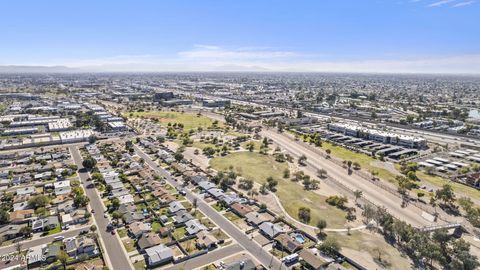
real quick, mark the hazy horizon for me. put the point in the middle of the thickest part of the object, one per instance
(406, 36)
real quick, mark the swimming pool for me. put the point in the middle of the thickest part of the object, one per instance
(299, 238)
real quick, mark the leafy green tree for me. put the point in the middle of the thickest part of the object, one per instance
(304, 214)
(63, 258)
(4, 217)
(89, 163)
(445, 194)
(39, 201)
(330, 246)
(321, 224)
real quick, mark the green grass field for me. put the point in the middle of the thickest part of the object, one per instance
(256, 144)
(259, 167)
(364, 160)
(203, 145)
(189, 120)
(457, 187)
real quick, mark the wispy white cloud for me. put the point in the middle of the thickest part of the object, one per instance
(463, 4)
(440, 3)
(207, 47)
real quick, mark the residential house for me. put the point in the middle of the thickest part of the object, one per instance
(75, 217)
(147, 240)
(197, 179)
(119, 192)
(126, 199)
(136, 229)
(21, 216)
(270, 230)
(130, 217)
(158, 255)
(231, 198)
(175, 206)
(51, 252)
(194, 226)
(240, 209)
(312, 261)
(77, 246)
(256, 219)
(66, 207)
(286, 242)
(10, 231)
(62, 187)
(26, 190)
(20, 206)
(166, 198)
(205, 185)
(205, 240)
(216, 193)
(181, 217)
(241, 265)
(35, 255)
(47, 223)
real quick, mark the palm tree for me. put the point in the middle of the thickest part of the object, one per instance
(358, 194)
(18, 248)
(63, 258)
(195, 204)
(433, 203)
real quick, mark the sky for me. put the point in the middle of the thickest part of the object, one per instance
(386, 36)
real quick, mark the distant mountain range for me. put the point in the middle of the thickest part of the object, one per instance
(37, 69)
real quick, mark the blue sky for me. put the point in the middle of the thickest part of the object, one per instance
(323, 35)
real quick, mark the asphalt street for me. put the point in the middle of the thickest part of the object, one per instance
(113, 246)
(42, 240)
(208, 258)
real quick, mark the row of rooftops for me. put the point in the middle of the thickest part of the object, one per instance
(357, 128)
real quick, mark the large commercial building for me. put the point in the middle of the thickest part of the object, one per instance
(216, 103)
(378, 135)
(60, 125)
(35, 121)
(163, 95)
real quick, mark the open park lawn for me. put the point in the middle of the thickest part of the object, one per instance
(189, 120)
(258, 167)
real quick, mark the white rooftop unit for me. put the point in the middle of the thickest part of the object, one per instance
(434, 162)
(473, 158)
(456, 154)
(451, 166)
(441, 169)
(460, 164)
(441, 159)
(425, 164)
